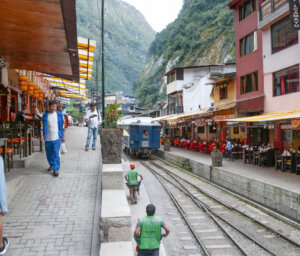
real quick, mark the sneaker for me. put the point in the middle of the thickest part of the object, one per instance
(94, 148)
(55, 173)
(3, 250)
(86, 149)
(50, 169)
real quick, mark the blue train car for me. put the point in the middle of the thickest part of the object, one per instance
(142, 135)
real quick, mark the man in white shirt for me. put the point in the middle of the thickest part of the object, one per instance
(93, 120)
(53, 133)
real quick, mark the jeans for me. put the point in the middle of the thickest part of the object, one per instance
(154, 252)
(91, 132)
(52, 153)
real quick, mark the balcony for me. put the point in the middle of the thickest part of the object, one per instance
(270, 10)
(174, 86)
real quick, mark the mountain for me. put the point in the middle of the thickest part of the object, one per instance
(127, 40)
(202, 34)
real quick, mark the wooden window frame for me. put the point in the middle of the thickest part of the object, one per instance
(242, 9)
(243, 85)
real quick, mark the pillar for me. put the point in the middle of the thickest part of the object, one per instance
(277, 136)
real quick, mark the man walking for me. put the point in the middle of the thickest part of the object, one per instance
(93, 120)
(148, 233)
(229, 149)
(3, 208)
(132, 179)
(53, 133)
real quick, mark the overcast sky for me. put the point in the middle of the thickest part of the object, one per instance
(158, 13)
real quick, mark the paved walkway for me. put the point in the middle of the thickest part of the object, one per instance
(54, 216)
(289, 181)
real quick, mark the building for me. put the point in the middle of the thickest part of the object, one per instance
(281, 59)
(249, 58)
(189, 88)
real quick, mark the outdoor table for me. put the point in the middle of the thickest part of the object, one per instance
(3, 146)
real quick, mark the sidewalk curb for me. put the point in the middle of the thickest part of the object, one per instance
(95, 248)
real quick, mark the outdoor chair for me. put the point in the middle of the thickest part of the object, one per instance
(6, 133)
(287, 163)
(256, 158)
(297, 159)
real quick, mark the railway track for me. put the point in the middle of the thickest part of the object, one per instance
(235, 232)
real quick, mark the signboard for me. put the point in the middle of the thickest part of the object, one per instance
(286, 127)
(224, 117)
(294, 13)
(296, 123)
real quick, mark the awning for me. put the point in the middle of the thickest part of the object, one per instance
(273, 116)
(179, 116)
(225, 106)
(40, 36)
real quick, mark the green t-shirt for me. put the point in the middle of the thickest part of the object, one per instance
(132, 177)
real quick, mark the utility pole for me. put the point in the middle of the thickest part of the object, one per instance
(97, 85)
(102, 54)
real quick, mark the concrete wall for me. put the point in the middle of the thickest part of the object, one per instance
(278, 199)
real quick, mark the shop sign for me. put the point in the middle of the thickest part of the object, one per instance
(295, 13)
(224, 117)
(286, 127)
(200, 122)
(296, 123)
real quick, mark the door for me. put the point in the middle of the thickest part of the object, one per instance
(145, 136)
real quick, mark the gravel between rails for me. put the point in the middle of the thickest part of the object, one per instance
(273, 242)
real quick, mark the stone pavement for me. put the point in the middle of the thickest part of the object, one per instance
(286, 180)
(139, 210)
(55, 216)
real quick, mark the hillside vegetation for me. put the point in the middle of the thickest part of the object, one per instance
(202, 34)
(127, 40)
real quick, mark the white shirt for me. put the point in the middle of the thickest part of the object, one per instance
(52, 127)
(94, 121)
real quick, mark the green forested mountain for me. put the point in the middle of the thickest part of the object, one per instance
(127, 40)
(202, 34)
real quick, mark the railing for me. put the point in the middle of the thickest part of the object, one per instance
(270, 6)
(175, 110)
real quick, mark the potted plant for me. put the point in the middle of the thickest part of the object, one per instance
(216, 157)
(167, 144)
(111, 136)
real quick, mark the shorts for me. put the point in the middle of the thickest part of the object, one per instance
(148, 252)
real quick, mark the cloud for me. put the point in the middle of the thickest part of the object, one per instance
(158, 13)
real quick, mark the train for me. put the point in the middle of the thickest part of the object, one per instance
(141, 135)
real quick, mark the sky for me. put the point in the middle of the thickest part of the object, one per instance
(158, 13)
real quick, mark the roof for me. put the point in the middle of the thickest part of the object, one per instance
(40, 36)
(232, 4)
(203, 66)
(272, 116)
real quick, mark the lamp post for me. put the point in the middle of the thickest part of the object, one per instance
(102, 54)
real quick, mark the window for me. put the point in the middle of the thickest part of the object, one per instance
(179, 74)
(249, 83)
(145, 133)
(201, 129)
(248, 44)
(223, 91)
(247, 8)
(283, 35)
(286, 81)
(212, 129)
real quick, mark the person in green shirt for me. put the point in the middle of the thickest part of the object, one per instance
(148, 233)
(132, 179)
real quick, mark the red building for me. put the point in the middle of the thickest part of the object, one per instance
(249, 58)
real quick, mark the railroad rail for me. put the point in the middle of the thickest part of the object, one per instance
(223, 224)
